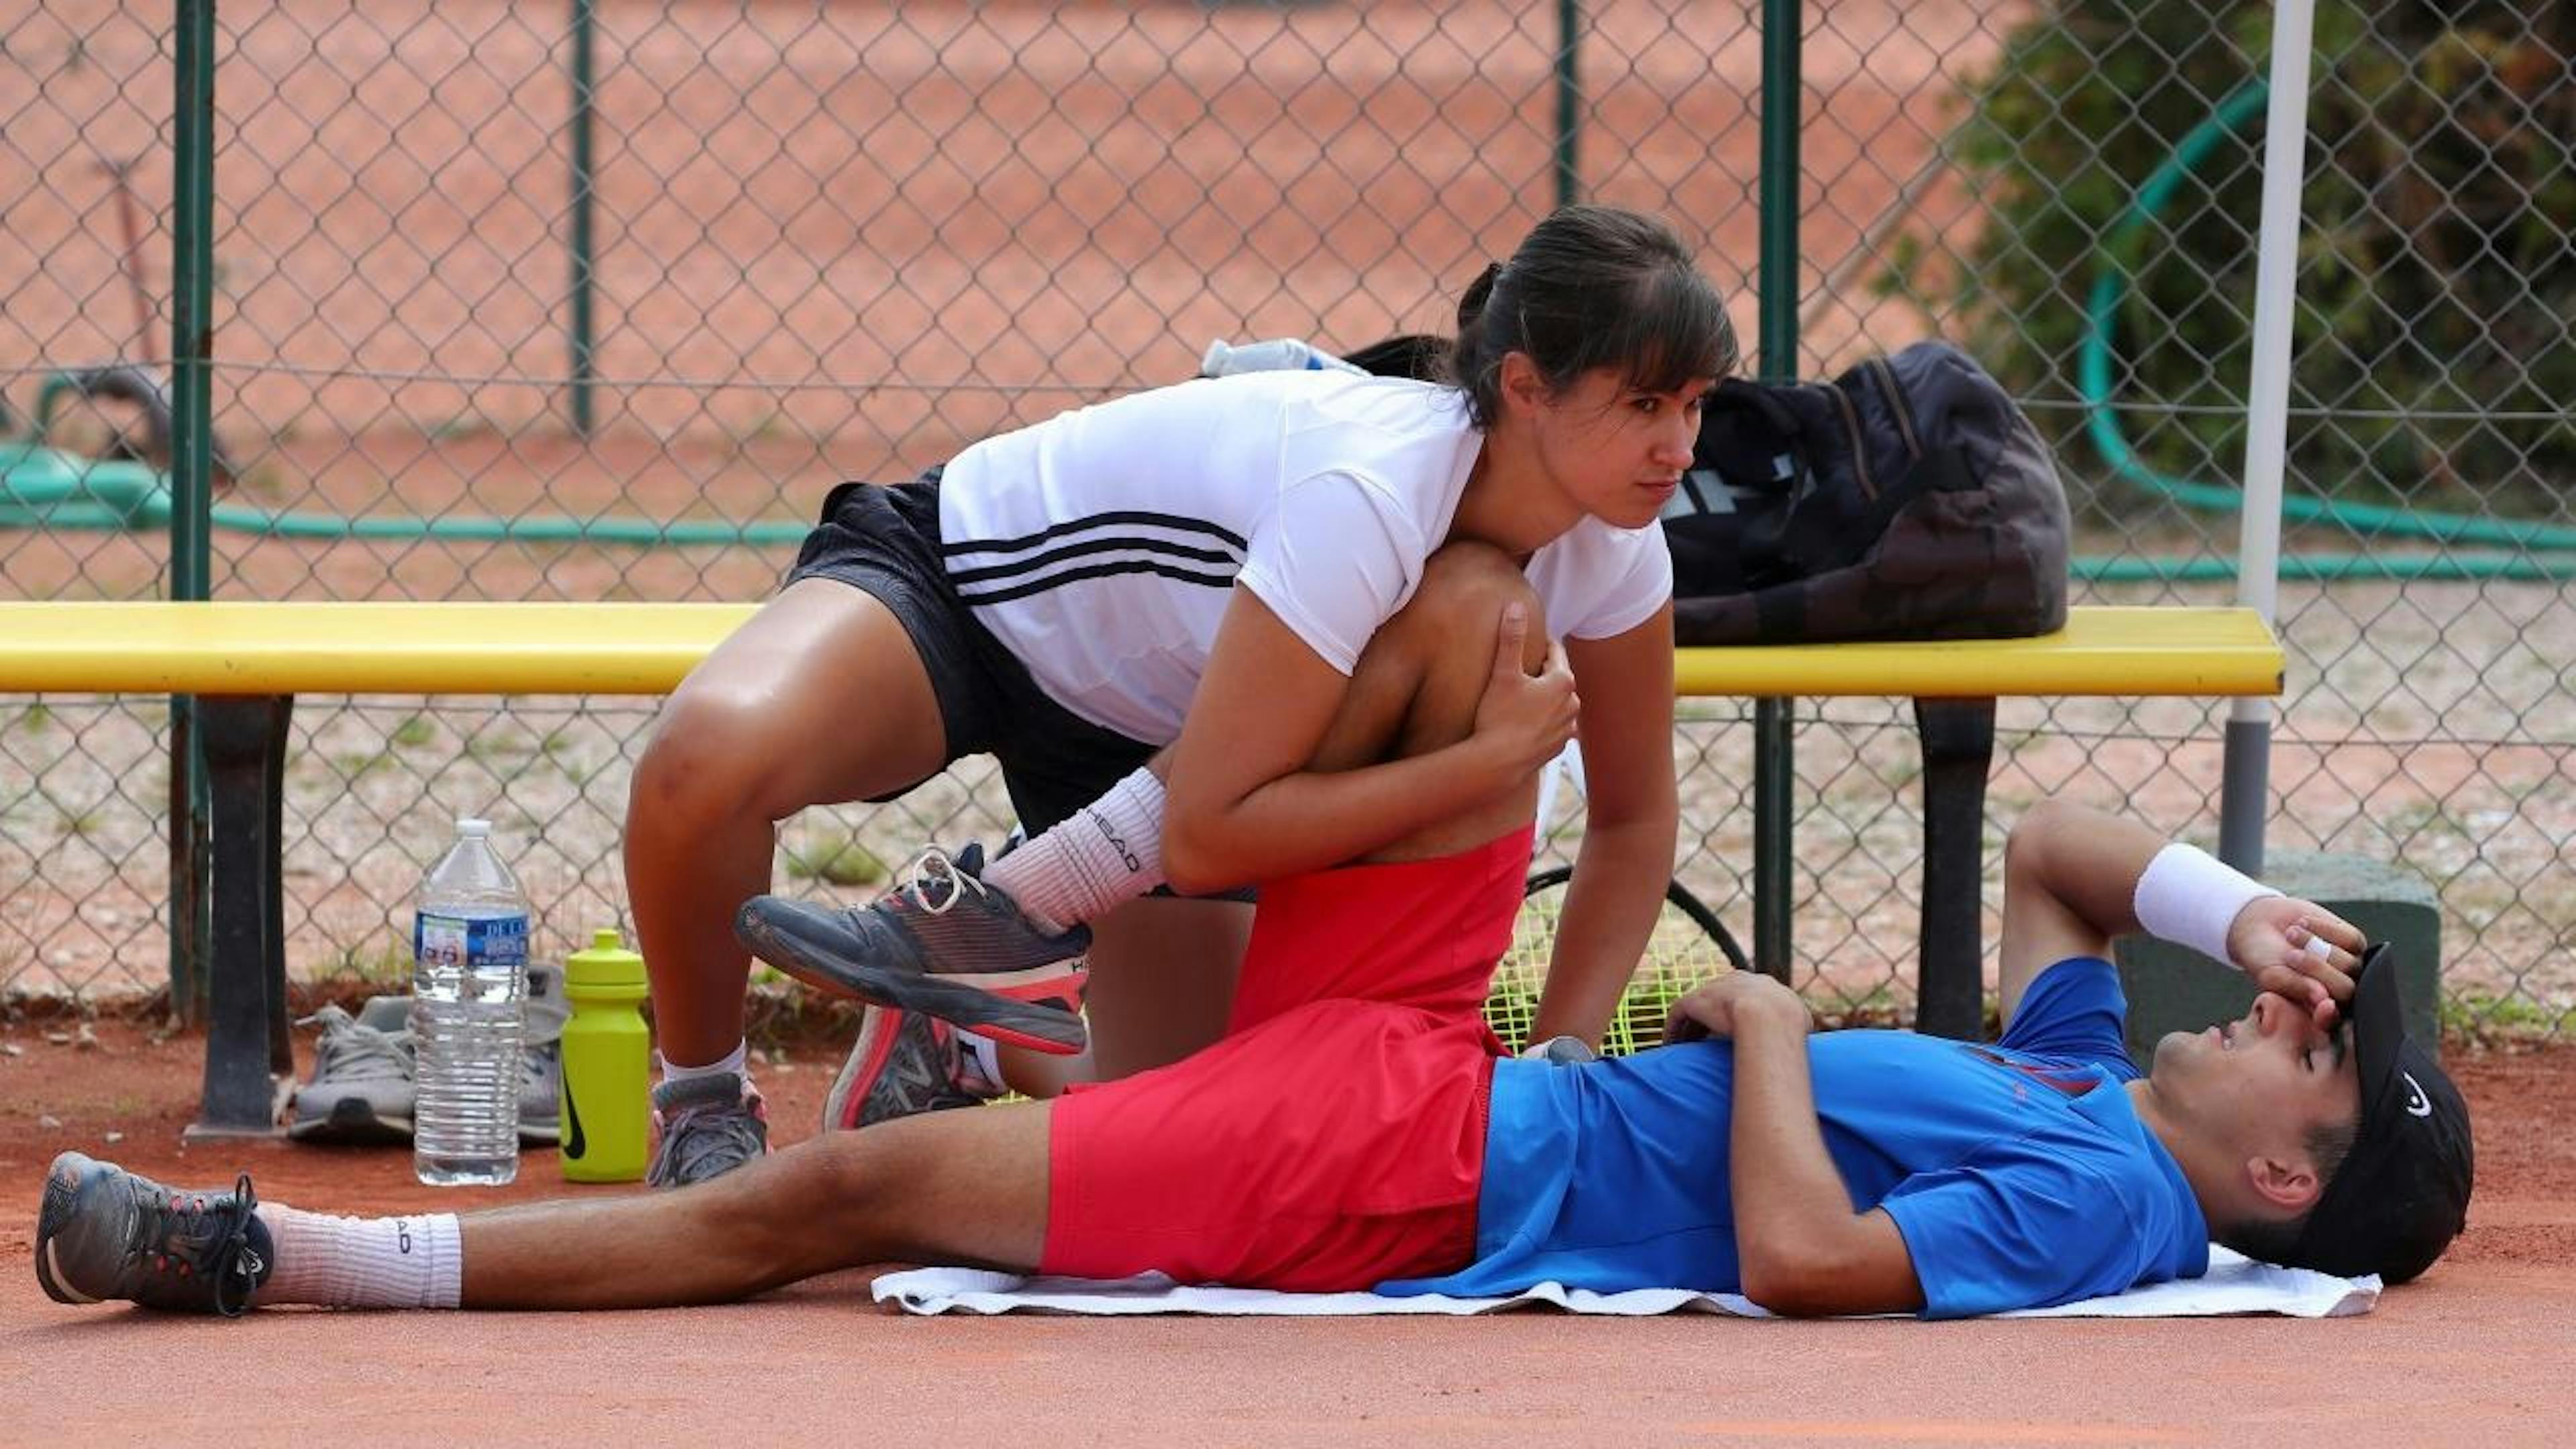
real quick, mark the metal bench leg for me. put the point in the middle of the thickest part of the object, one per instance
(1775, 772)
(248, 1048)
(1958, 738)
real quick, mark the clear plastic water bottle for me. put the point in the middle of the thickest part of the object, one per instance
(469, 979)
(1279, 354)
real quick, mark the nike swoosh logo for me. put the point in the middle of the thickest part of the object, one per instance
(2417, 1104)
(574, 1142)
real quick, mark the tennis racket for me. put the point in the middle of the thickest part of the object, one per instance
(1688, 945)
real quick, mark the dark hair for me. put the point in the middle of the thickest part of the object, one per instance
(2274, 1240)
(1417, 355)
(1592, 286)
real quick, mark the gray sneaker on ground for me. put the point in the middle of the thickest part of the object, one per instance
(541, 1057)
(361, 1090)
(388, 1013)
(705, 1127)
(355, 1059)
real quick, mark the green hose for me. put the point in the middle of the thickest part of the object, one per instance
(43, 488)
(2093, 382)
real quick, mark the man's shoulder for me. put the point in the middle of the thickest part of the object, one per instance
(2074, 1007)
(2074, 1013)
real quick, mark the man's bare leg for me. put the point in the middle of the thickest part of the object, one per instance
(1160, 987)
(944, 1187)
(951, 1187)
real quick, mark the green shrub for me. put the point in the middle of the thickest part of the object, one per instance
(2435, 272)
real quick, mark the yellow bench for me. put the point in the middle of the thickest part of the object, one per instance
(247, 661)
(545, 648)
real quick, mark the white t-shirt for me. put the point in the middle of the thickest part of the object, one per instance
(1099, 545)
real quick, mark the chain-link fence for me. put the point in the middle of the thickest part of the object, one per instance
(478, 268)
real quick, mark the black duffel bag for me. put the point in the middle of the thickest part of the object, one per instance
(1906, 499)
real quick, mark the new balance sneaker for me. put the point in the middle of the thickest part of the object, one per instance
(541, 1093)
(388, 1014)
(943, 944)
(105, 1233)
(361, 1090)
(541, 1056)
(705, 1127)
(363, 1087)
(904, 1063)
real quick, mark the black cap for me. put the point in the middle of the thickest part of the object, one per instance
(2402, 1192)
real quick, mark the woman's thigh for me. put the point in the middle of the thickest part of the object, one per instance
(822, 696)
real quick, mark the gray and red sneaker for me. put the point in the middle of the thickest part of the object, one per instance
(106, 1233)
(942, 944)
(904, 1063)
(705, 1127)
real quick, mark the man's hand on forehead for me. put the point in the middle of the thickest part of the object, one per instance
(2298, 950)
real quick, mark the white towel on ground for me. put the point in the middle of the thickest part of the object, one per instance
(2234, 1284)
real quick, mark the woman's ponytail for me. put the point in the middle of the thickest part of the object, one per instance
(1471, 306)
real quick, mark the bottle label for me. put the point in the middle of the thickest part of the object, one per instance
(470, 940)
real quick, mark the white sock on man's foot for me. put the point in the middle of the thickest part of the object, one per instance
(734, 1062)
(983, 1058)
(413, 1262)
(1108, 852)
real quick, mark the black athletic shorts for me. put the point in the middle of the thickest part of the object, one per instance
(885, 540)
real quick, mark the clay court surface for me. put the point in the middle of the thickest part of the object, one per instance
(2476, 1353)
(975, 278)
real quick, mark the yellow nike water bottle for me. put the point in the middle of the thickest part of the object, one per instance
(607, 1063)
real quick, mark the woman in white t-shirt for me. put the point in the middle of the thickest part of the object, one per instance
(1177, 619)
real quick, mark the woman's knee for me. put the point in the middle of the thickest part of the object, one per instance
(1465, 588)
(710, 754)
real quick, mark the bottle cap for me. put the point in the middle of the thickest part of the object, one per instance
(468, 825)
(606, 964)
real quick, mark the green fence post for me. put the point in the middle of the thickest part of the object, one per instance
(585, 34)
(1569, 104)
(1774, 766)
(192, 334)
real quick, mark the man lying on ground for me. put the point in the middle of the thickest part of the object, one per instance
(1340, 1143)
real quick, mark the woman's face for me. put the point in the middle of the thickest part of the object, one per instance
(1618, 450)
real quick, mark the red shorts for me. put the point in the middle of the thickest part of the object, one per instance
(1331, 1140)
(1424, 933)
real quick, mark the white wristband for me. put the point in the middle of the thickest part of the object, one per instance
(2191, 898)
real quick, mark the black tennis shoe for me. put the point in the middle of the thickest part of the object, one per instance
(107, 1233)
(943, 944)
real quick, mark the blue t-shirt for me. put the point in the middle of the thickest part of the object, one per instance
(2018, 1173)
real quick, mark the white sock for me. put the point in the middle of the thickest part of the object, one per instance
(413, 1262)
(1109, 851)
(733, 1062)
(982, 1056)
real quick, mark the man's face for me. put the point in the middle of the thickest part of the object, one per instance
(2262, 1083)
